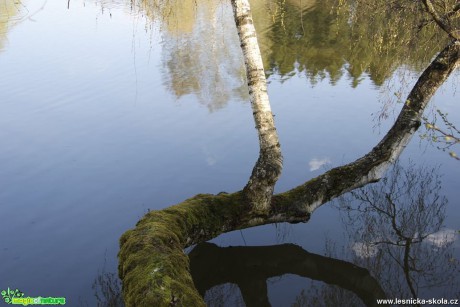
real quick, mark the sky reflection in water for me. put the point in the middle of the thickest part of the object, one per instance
(104, 117)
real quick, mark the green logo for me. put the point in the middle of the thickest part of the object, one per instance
(16, 297)
(9, 294)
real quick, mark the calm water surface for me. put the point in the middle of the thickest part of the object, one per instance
(108, 110)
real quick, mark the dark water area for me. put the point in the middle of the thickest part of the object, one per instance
(110, 109)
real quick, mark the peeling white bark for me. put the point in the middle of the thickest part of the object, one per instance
(252, 57)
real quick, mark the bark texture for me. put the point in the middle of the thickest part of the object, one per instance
(267, 170)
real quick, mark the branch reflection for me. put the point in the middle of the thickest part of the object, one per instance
(250, 267)
(397, 227)
(399, 248)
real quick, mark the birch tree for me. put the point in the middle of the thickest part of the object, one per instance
(152, 265)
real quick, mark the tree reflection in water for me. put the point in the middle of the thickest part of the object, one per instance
(107, 290)
(399, 249)
(397, 227)
(318, 39)
(250, 267)
(10, 14)
(200, 55)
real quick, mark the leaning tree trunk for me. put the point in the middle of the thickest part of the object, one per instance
(152, 264)
(267, 170)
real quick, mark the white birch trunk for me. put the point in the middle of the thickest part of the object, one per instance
(267, 170)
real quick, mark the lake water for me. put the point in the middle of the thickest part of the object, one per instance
(109, 109)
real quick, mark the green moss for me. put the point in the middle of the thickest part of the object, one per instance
(152, 264)
(154, 269)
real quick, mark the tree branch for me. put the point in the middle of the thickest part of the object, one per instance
(152, 264)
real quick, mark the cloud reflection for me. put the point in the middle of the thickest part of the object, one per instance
(442, 238)
(315, 163)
